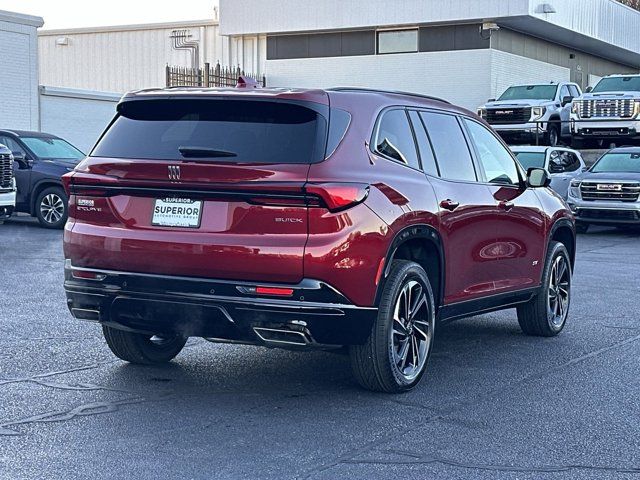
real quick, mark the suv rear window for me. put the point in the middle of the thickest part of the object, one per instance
(234, 131)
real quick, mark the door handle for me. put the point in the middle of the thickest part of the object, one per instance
(506, 205)
(449, 204)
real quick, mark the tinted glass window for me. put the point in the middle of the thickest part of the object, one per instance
(52, 148)
(618, 84)
(561, 161)
(531, 159)
(395, 139)
(398, 41)
(564, 92)
(424, 145)
(236, 131)
(12, 145)
(450, 146)
(495, 159)
(530, 92)
(573, 90)
(618, 162)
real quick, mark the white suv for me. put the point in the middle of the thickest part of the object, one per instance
(7, 184)
(537, 113)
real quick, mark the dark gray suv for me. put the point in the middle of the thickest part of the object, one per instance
(609, 192)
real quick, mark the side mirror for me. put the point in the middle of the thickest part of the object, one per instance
(567, 100)
(21, 159)
(538, 178)
(589, 90)
(491, 100)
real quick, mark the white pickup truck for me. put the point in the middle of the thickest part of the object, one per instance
(609, 113)
(536, 113)
(7, 184)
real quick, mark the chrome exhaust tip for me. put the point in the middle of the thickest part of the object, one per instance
(86, 314)
(282, 336)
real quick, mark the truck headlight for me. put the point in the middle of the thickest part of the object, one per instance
(574, 189)
(482, 112)
(636, 108)
(575, 107)
(538, 112)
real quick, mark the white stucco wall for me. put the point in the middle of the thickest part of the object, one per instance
(508, 69)
(79, 117)
(19, 78)
(432, 73)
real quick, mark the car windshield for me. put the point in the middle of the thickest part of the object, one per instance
(233, 131)
(618, 163)
(618, 84)
(531, 159)
(530, 92)
(52, 148)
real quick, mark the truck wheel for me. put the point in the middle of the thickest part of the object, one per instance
(552, 137)
(546, 314)
(52, 207)
(395, 356)
(143, 349)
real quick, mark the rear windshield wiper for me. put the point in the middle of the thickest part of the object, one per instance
(204, 152)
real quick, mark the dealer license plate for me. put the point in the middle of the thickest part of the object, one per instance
(177, 212)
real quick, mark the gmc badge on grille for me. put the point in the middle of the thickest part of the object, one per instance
(609, 187)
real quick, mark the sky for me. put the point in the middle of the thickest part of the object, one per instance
(91, 13)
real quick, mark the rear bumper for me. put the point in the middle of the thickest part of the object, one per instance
(316, 314)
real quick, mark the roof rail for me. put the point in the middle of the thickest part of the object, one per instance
(394, 92)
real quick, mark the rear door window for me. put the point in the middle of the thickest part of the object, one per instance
(394, 138)
(450, 146)
(235, 131)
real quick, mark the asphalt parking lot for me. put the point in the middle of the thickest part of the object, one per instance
(494, 403)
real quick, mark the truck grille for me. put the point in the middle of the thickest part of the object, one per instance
(6, 170)
(628, 215)
(505, 116)
(609, 108)
(622, 192)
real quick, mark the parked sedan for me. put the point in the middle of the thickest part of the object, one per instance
(40, 159)
(562, 164)
(609, 192)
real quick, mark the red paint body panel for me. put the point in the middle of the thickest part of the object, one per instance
(486, 250)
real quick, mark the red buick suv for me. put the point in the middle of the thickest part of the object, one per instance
(309, 219)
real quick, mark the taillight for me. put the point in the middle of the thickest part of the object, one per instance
(339, 196)
(66, 183)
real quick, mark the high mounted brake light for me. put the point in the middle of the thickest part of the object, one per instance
(339, 196)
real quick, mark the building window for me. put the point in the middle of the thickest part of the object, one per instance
(397, 41)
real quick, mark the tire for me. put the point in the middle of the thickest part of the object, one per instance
(582, 227)
(142, 349)
(542, 316)
(552, 137)
(52, 208)
(396, 355)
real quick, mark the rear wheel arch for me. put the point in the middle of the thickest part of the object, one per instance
(421, 244)
(563, 231)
